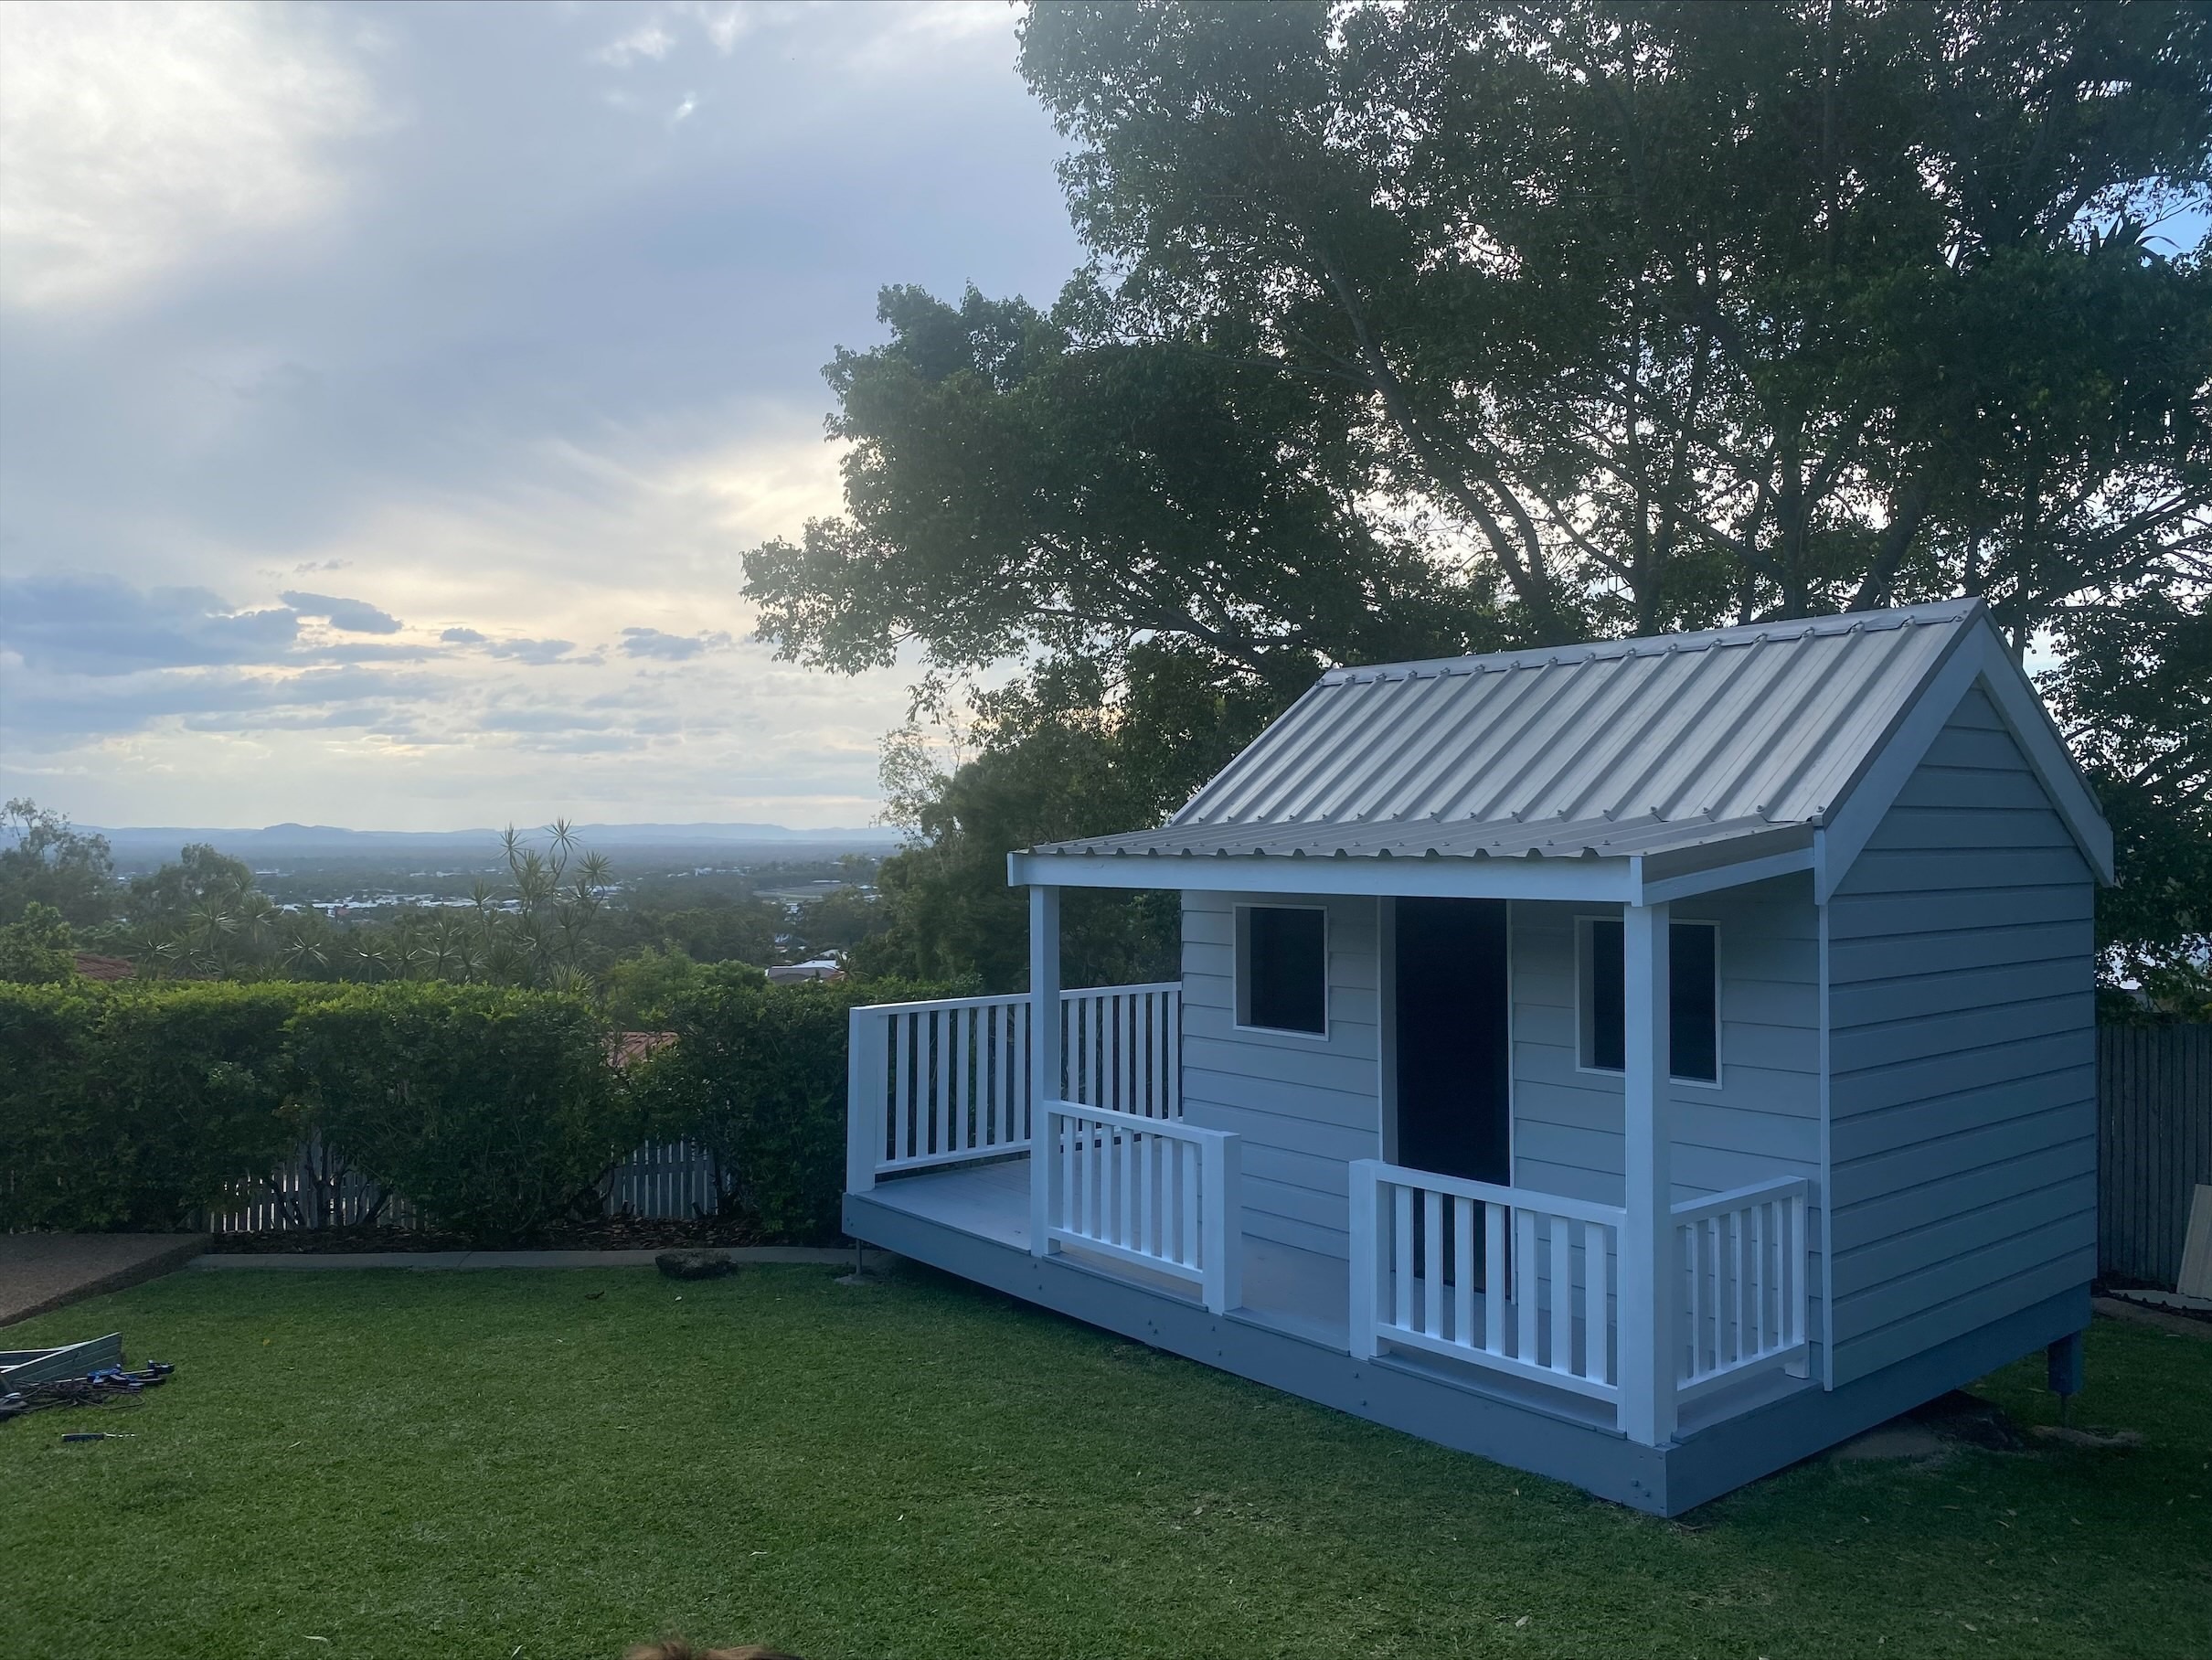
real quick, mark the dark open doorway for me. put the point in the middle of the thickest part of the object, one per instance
(1454, 1110)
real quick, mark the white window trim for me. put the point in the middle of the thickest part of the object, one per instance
(1241, 948)
(1585, 1016)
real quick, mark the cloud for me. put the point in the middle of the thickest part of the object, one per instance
(354, 616)
(533, 651)
(132, 136)
(494, 342)
(97, 625)
(653, 643)
(649, 39)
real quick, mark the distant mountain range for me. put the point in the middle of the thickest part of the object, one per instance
(330, 841)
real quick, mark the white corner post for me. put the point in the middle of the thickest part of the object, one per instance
(1044, 1061)
(1647, 1244)
(1221, 1231)
(864, 1125)
(1367, 1257)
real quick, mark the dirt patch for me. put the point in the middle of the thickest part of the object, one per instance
(41, 1272)
(1936, 1430)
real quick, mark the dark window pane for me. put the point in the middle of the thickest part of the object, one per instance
(1286, 974)
(1694, 1029)
(1607, 1025)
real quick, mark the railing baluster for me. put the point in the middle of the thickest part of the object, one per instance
(1597, 1316)
(1562, 1296)
(1432, 1223)
(1462, 1270)
(1401, 1253)
(1493, 1277)
(1525, 1295)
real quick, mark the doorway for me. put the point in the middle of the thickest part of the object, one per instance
(1454, 1061)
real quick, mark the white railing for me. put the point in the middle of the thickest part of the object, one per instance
(1122, 1046)
(944, 1083)
(1741, 1258)
(1500, 1276)
(1153, 1193)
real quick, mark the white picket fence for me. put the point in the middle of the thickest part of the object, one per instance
(662, 1180)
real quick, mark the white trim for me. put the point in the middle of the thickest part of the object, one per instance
(1611, 880)
(1385, 1027)
(1387, 1103)
(1513, 1062)
(1584, 1015)
(1827, 1176)
(1981, 660)
(1721, 876)
(1240, 951)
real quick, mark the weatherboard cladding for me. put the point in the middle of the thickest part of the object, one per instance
(1606, 750)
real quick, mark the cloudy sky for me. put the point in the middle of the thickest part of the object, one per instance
(388, 394)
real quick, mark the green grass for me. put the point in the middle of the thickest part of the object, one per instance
(557, 1464)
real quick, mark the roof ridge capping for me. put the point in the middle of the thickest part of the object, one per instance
(1941, 611)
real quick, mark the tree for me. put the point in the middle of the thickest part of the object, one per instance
(1433, 327)
(2136, 695)
(38, 949)
(45, 861)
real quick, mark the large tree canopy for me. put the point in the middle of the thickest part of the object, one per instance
(1438, 326)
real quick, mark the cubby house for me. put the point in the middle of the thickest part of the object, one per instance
(1645, 1063)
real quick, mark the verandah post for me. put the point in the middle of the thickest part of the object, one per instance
(1366, 1256)
(1044, 1060)
(1647, 1243)
(1222, 1233)
(864, 1127)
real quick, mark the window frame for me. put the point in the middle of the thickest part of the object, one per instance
(1240, 976)
(1586, 1016)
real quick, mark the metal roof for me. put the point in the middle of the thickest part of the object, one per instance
(1749, 736)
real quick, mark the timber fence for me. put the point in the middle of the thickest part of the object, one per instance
(2154, 1145)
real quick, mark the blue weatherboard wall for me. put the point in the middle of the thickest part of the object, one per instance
(1963, 1045)
(1306, 1106)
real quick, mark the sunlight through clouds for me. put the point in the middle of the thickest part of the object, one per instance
(388, 396)
(132, 136)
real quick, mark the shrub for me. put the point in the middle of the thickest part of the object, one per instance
(130, 1107)
(39, 950)
(757, 1076)
(493, 1110)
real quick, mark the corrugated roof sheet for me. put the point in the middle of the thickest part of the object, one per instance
(1601, 751)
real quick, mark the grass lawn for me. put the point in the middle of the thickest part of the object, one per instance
(531, 1464)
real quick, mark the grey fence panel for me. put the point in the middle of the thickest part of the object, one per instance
(661, 1180)
(2154, 1145)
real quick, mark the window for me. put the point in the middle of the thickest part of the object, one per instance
(1283, 968)
(1693, 995)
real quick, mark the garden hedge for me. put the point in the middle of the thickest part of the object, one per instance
(137, 1106)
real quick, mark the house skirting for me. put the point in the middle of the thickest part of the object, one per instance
(1420, 1401)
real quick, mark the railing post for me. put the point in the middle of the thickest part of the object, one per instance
(864, 1121)
(1222, 1232)
(1044, 1061)
(1792, 1295)
(1647, 1237)
(1366, 1175)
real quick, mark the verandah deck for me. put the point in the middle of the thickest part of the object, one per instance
(1294, 1293)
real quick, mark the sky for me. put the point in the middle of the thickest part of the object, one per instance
(389, 394)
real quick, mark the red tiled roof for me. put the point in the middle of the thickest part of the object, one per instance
(94, 966)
